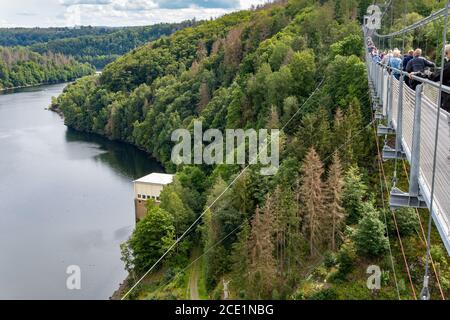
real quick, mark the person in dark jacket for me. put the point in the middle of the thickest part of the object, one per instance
(407, 58)
(417, 67)
(436, 77)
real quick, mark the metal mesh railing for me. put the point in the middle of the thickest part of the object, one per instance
(383, 83)
(442, 175)
(431, 93)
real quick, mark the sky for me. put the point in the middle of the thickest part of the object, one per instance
(58, 13)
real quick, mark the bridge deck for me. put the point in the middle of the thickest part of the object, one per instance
(383, 83)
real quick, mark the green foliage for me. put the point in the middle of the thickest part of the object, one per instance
(11, 37)
(314, 132)
(97, 46)
(240, 259)
(351, 45)
(347, 79)
(231, 72)
(330, 259)
(346, 260)
(324, 294)
(174, 198)
(251, 69)
(20, 67)
(153, 236)
(369, 237)
(355, 192)
(407, 222)
(303, 69)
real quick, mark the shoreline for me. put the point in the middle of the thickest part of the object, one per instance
(57, 110)
(97, 72)
(32, 86)
(123, 286)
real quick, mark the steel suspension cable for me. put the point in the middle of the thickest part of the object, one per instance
(383, 176)
(385, 220)
(423, 22)
(424, 238)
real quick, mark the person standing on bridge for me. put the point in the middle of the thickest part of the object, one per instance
(376, 57)
(387, 57)
(417, 67)
(396, 63)
(407, 58)
(436, 77)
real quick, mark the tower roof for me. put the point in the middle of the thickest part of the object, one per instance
(157, 178)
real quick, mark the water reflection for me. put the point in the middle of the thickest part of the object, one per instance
(66, 198)
(123, 158)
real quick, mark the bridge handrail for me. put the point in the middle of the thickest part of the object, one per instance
(436, 85)
(387, 95)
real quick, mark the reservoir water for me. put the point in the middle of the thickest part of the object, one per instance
(66, 199)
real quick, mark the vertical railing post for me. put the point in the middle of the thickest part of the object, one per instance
(375, 80)
(390, 97)
(415, 150)
(381, 79)
(399, 130)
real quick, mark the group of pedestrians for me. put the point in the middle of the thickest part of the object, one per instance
(414, 64)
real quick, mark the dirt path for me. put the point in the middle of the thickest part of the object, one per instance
(193, 277)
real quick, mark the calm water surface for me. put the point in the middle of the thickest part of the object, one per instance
(66, 198)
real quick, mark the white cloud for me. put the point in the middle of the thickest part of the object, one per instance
(4, 23)
(246, 4)
(134, 5)
(88, 2)
(114, 12)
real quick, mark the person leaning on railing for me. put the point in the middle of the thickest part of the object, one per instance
(417, 67)
(436, 77)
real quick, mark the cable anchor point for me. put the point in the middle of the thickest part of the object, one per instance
(425, 293)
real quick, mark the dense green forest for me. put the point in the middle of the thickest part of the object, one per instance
(310, 231)
(21, 67)
(101, 50)
(12, 37)
(95, 45)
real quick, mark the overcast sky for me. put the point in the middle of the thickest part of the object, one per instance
(46, 13)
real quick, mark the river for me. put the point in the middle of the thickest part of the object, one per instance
(66, 198)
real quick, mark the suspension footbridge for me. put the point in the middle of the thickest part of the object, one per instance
(421, 129)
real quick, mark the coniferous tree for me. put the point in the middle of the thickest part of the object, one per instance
(354, 193)
(262, 271)
(370, 239)
(341, 138)
(241, 260)
(355, 133)
(274, 120)
(313, 200)
(314, 132)
(220, 219)
(287, 225)
(336, 212)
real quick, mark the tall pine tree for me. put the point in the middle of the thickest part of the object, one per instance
(313, 200)
(335, 186)
(262, 271)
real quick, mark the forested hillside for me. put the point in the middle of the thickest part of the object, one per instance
(11, 37)
(21, 67)
(101, 50)
(95, 45)
(310, 231)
